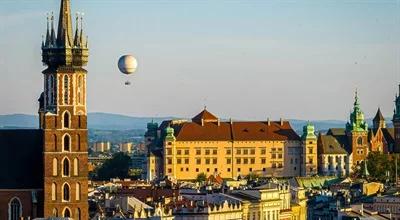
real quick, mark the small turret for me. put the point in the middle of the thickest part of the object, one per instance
(308, 132)
(170, 134)
(379, 120)
(357, 122)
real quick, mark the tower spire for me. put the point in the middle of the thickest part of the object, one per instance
(47, 41)
(52, 33)
(77, 40)
(64, 32)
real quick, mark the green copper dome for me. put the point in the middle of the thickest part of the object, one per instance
(357, 121)
(308, 132)
(170, 134)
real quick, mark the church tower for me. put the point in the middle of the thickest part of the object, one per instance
(309, 157)
(357, 133)
(63, 118)
(396, 123)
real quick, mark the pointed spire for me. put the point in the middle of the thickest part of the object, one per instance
(64, 32)
(77, 38)
(356, 98)
(52, 33)
(47, 41)
(82, 39)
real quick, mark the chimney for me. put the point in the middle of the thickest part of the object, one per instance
(281, 122)
(268, 122)
(202, 122)
(219, 122)
(231, 121)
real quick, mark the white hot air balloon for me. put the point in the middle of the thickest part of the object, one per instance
(127, 64)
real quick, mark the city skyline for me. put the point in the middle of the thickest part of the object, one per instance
(344, 45)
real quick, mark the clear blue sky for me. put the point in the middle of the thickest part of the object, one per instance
(243, 59)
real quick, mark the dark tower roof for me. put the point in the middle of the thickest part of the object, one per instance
(379, 117)
(64, 32)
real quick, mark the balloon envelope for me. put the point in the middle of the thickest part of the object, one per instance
(127, 64)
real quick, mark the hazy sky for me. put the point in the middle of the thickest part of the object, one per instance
(243, 59)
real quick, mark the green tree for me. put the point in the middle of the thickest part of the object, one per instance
(201, 177)
(378, 166)
(116, 167)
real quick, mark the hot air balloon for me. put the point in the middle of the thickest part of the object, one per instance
(127, 64)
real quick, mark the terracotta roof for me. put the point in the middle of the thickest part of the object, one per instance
(238, 131)
(206, 116)
(21, 159)
(328, 144)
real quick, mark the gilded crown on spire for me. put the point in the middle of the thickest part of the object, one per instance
(65, 49)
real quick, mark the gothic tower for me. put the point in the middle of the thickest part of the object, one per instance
(396, 124)
(63, 118)
(309, 157)
(379, 120)
(357, 133)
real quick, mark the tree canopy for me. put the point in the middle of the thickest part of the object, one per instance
(116, 167)
(381, 167)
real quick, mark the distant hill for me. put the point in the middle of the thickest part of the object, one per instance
(107, 121)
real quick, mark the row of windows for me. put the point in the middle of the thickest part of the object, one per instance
(65, 192)
(228, 160)
(239, 169)
(65, 164)
(228, 151)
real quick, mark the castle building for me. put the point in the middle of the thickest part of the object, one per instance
(183, 149)
(341, 150)
(46, 169)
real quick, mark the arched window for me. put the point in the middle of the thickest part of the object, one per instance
(78, 191)
(66, 90)
(55, 212)
(65, 167)
(67, 143)
(76, 166)
(359, 141)
(66, 120)
(53, 191)
(66, 193)
(14, 209)
(78, 214)
(55, 164)
(67, 213)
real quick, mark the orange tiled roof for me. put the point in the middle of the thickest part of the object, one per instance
(229, 131)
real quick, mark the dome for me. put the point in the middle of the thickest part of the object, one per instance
(127, 64)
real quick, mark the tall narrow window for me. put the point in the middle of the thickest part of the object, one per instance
(78, 192)
(66, 90)
(66, 193)
(80, 90)
(55, 164)
(67, 213)
(14, 209)
(66, 121)
(76, 167)
(50, 90)
(65, 167)
(78, 142)
(67, 143)
(53, 191)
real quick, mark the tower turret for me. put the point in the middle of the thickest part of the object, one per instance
(63, 50)
(379, 120)
(309, 156)
(357, 133)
